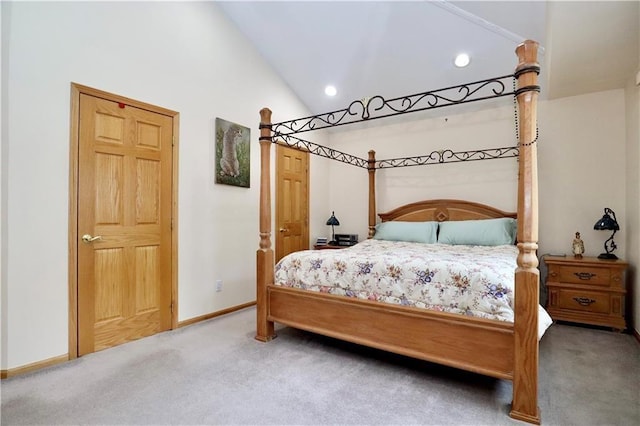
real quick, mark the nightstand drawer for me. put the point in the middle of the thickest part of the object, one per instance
(579, 300)
(585, 275)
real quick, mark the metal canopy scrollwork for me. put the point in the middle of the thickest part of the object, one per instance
(378, 107)
(449, 156)
(435, 157)
(322, 151)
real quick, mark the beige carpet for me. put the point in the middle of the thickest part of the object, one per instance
(216, 373)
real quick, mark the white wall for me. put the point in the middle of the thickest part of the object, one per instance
(632, 97)
(3, 182)
(581, 157)
(182, 56)
(581, 166)
(632, 222)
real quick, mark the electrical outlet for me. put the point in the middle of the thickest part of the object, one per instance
(219, 285)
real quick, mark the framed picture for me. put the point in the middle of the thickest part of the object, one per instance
(232, 153)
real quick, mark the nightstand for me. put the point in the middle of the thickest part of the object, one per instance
(586, 290)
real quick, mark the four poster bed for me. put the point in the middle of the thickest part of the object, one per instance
(505, 349)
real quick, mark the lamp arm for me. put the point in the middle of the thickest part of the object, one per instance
(612, 213)
(610, 245)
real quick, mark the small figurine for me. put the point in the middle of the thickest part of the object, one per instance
(577, 246)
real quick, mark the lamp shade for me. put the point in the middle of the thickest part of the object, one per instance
(607, 223)
(333, 220)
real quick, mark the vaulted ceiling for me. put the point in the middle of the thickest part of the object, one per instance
(393, 48)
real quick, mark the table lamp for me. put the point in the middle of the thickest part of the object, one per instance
(608, 222)
(333, 221)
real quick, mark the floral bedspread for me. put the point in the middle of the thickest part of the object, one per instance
(471, 280)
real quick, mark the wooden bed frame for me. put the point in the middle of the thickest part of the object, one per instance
(494, 348)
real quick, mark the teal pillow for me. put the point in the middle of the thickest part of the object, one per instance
(484, 232)
(417, 232)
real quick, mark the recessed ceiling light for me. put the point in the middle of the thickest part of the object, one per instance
(330, 90)
(462, 60)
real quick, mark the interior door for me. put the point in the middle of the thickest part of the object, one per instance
(124, 223)
(292, 201)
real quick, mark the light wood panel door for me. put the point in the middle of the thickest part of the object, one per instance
(124, 223)
(292, 201)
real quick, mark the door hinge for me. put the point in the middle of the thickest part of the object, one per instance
(173, 141)
(172, 224)
(171, 307)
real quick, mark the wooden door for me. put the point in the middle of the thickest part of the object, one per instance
(292, 201)
(124, 223)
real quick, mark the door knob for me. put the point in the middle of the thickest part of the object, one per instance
(283, 229)
(87, 238)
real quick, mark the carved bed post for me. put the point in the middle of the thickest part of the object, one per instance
(525, 376)
(264, 255)
(371, 167)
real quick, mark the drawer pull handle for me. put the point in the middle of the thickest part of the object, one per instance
(584, 301)
(584, 275)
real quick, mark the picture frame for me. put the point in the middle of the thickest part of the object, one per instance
(232, 159)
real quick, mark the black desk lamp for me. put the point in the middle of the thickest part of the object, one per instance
(333, 221)
(608, 223)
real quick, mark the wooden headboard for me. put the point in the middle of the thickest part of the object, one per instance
(443, 210)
